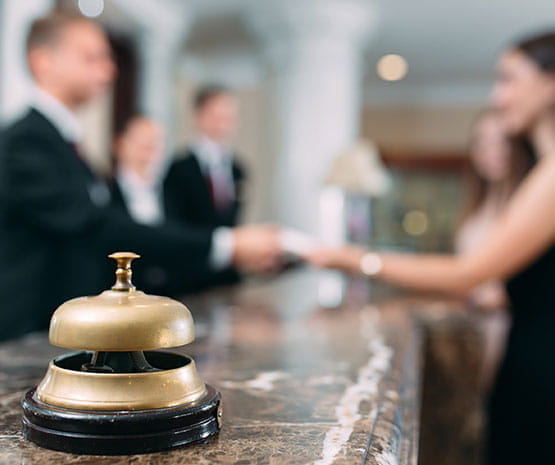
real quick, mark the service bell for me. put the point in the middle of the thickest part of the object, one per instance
(118, 394)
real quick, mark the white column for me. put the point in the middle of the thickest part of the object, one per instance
(159, 54)
(15, 83)
(315, 48)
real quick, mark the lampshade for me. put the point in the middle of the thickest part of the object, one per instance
(360, 170)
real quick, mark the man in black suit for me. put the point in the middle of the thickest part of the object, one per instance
(204, 185)
(56, 225)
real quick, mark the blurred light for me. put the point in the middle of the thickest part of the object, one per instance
(392, 67)
(91, 8)
(415, 222)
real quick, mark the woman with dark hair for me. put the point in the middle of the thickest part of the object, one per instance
(138, 158)
(520, 251)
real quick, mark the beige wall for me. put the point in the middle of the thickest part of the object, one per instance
(402, 127)
(96, 119)
(419, 128)
(250, 142)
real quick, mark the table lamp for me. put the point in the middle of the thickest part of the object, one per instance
(358, 174)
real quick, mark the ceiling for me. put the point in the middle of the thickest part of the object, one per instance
(450, 45)
(455, 39)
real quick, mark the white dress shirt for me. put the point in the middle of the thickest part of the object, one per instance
(143, 199)
(63, 119)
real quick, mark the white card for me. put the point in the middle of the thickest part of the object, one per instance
(297, 242)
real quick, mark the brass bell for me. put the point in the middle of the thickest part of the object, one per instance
(118, 395)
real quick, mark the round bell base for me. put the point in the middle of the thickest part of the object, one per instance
(123, 432)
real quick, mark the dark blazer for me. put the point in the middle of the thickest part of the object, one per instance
(187, 195)
(152, 274)
(55, 234)
(117, 199)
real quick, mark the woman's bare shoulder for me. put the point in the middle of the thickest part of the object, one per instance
(547, 164)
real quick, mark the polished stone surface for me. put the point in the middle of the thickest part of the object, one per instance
(300, 383)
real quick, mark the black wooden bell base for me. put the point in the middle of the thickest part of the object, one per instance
(120, 433)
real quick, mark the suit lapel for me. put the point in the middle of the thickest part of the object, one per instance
(200, 186)
(97, 190)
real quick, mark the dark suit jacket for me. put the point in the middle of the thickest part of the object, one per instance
(152, 274)
(54, 238)
(187, 195)
(188, 200)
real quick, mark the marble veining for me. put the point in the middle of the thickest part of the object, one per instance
(303, 386)
(347, 411)
(263, 381)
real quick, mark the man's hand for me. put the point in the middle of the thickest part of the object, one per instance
(256, 248)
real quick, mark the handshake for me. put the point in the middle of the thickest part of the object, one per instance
(262, 248)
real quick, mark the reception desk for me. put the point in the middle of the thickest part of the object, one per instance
(300, 383)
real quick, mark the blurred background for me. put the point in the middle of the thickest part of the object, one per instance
(313, 77)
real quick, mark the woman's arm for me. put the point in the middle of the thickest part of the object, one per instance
(524, 231)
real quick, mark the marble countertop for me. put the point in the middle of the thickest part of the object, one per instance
(300, 383)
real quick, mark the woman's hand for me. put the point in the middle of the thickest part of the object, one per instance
(345, 258)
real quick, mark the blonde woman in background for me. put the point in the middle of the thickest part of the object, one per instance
(496, 166)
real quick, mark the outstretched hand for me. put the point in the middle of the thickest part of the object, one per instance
(345, 258)
(256, 248)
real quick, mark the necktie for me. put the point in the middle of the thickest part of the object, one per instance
(220, 188)
(76, 150)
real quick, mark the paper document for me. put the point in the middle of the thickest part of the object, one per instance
(297, 242)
